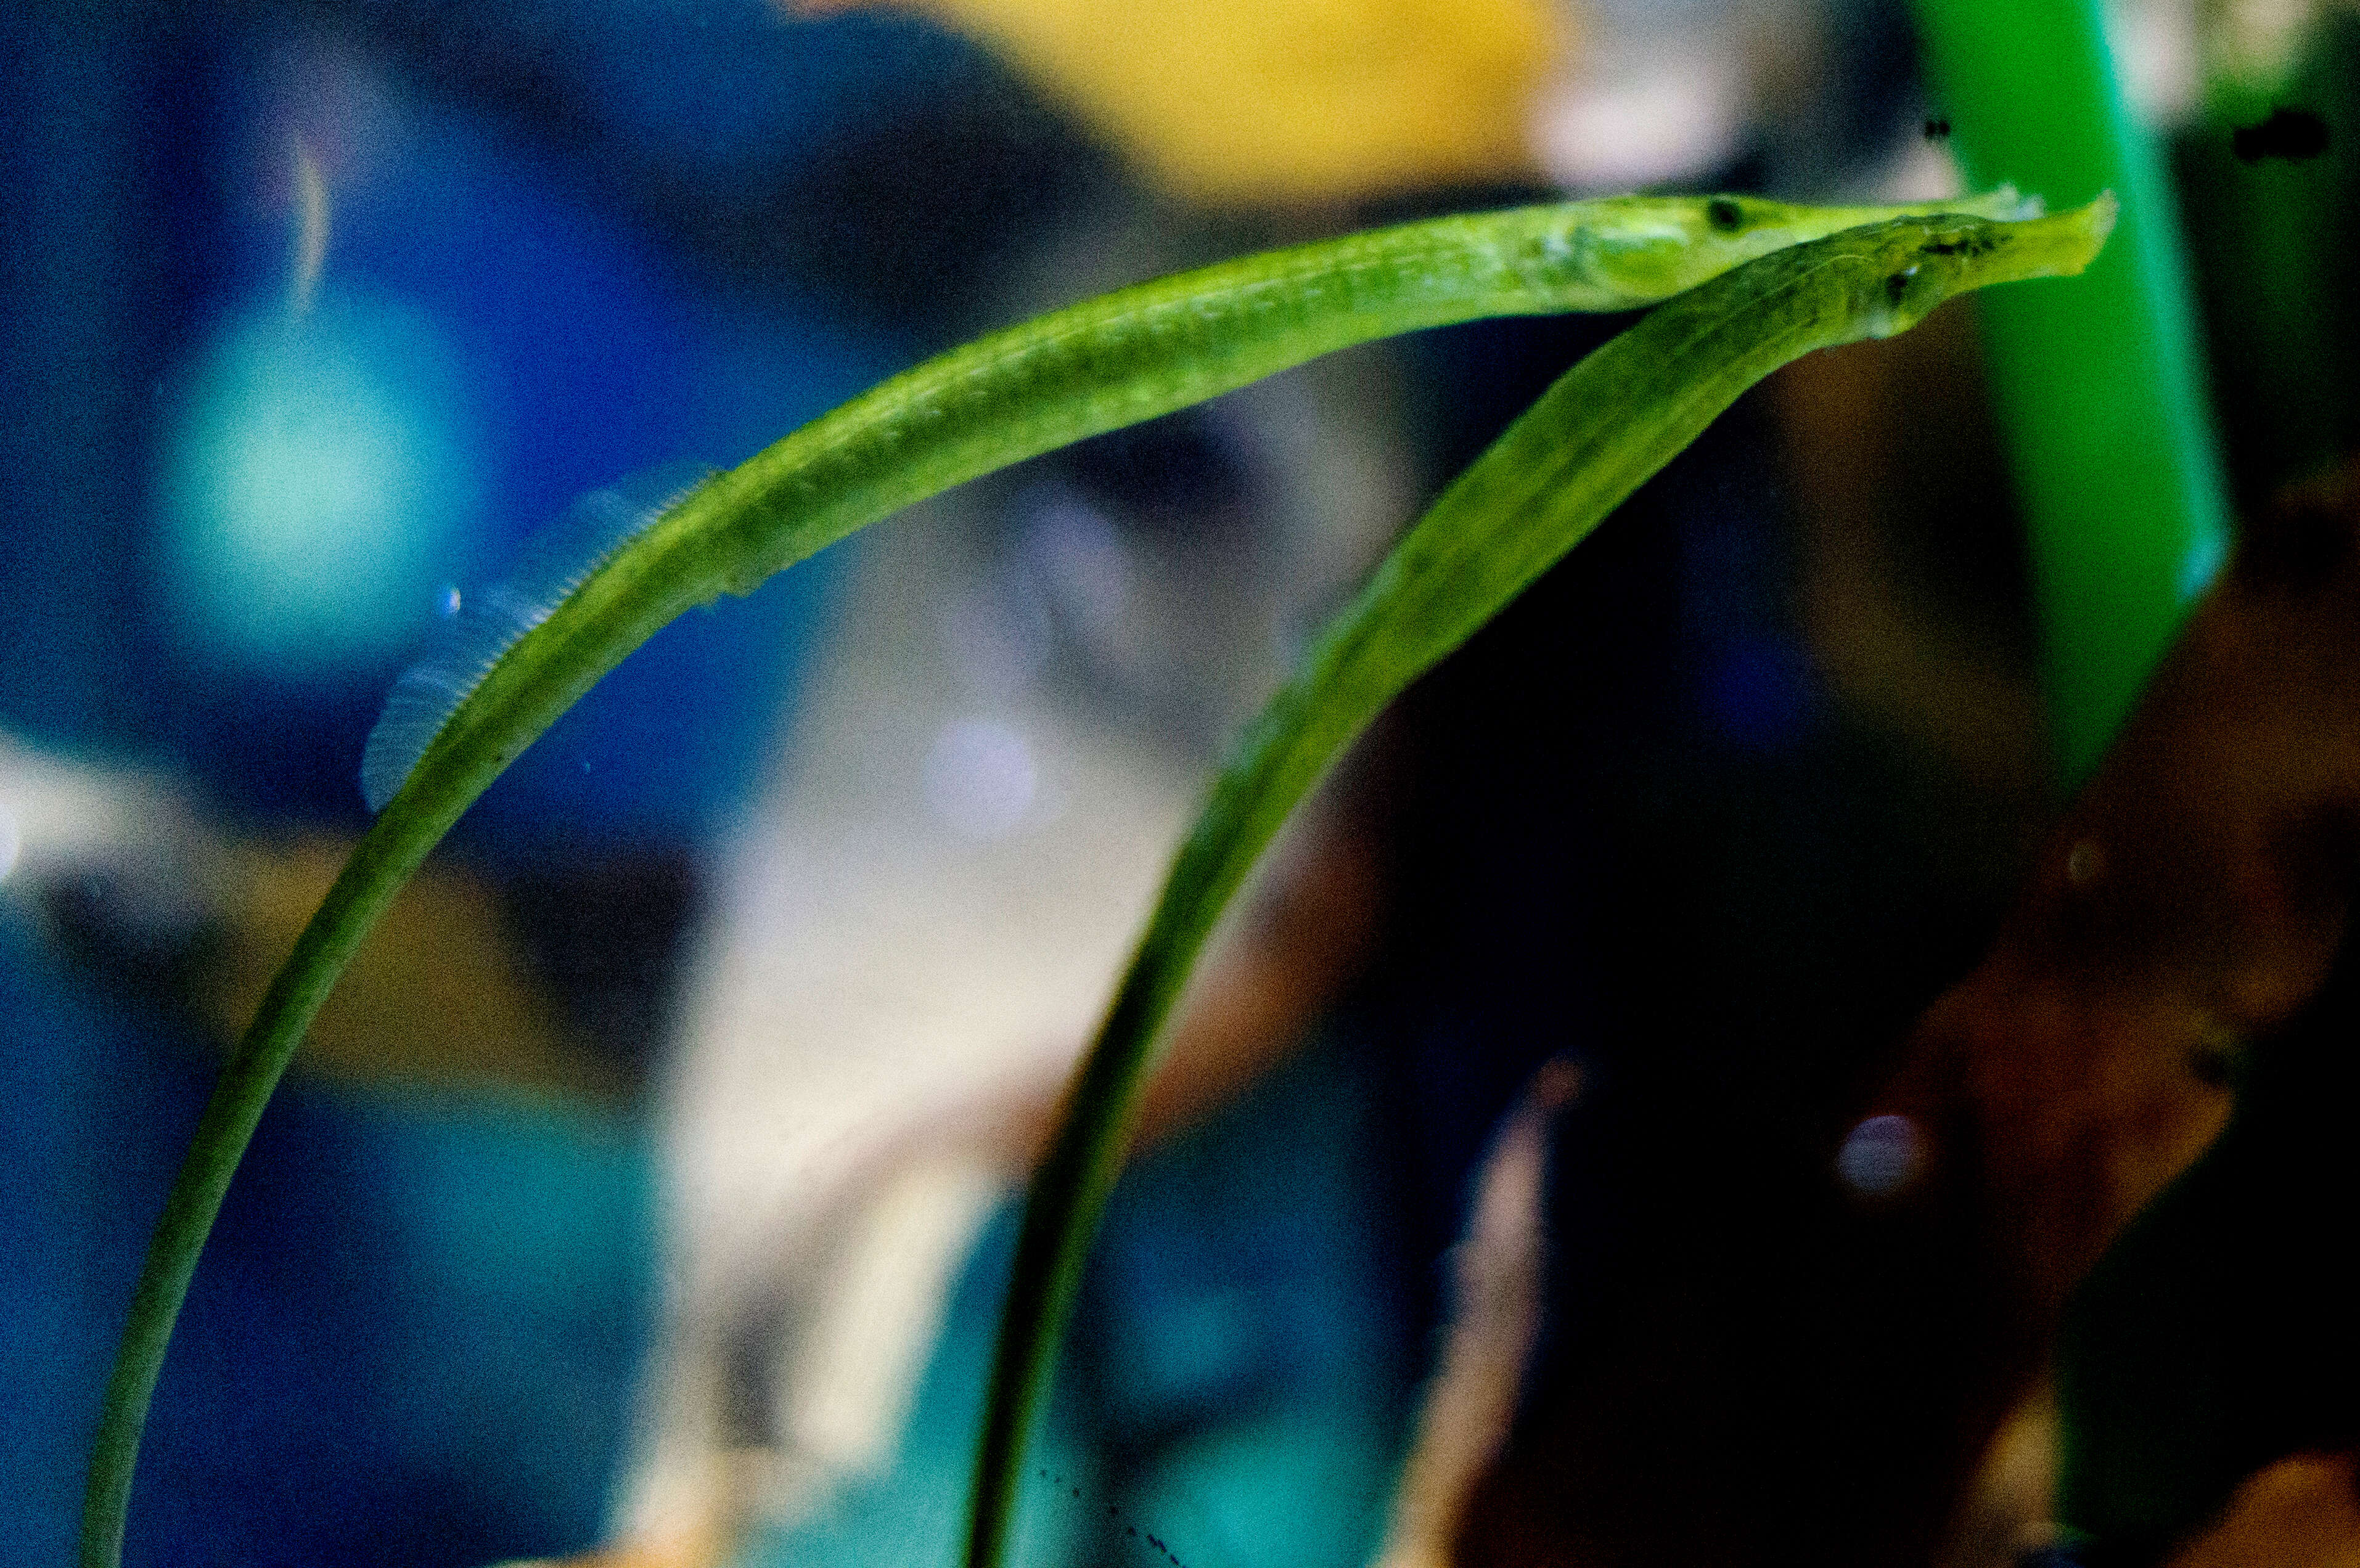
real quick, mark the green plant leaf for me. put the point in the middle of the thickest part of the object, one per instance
(1106, 363)
(1592, 438)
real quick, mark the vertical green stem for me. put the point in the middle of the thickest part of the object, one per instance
(2098, 386)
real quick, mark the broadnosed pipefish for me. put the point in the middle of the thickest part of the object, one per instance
(1109, 362)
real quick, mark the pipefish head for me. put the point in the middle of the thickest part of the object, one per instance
(1660, 244)
(1755, 224)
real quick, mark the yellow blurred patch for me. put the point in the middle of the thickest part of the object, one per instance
(1259, 101)
(436, 997)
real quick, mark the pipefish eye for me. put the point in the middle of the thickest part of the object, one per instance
(1724, 214)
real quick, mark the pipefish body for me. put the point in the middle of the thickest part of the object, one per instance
(462, 716)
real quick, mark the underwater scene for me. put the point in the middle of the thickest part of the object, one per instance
(1821, 1033)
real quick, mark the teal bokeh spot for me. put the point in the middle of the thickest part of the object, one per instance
(321, 470)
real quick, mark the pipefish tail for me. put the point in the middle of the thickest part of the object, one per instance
(1106, 363)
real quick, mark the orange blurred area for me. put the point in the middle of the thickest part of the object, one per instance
(1229, 102)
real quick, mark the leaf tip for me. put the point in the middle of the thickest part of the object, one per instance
(2091, 225)
(2103, 213)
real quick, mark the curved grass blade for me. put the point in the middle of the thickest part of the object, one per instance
(1106, 363)
(1592, 438)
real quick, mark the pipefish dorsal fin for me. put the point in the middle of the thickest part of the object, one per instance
(487, 623)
